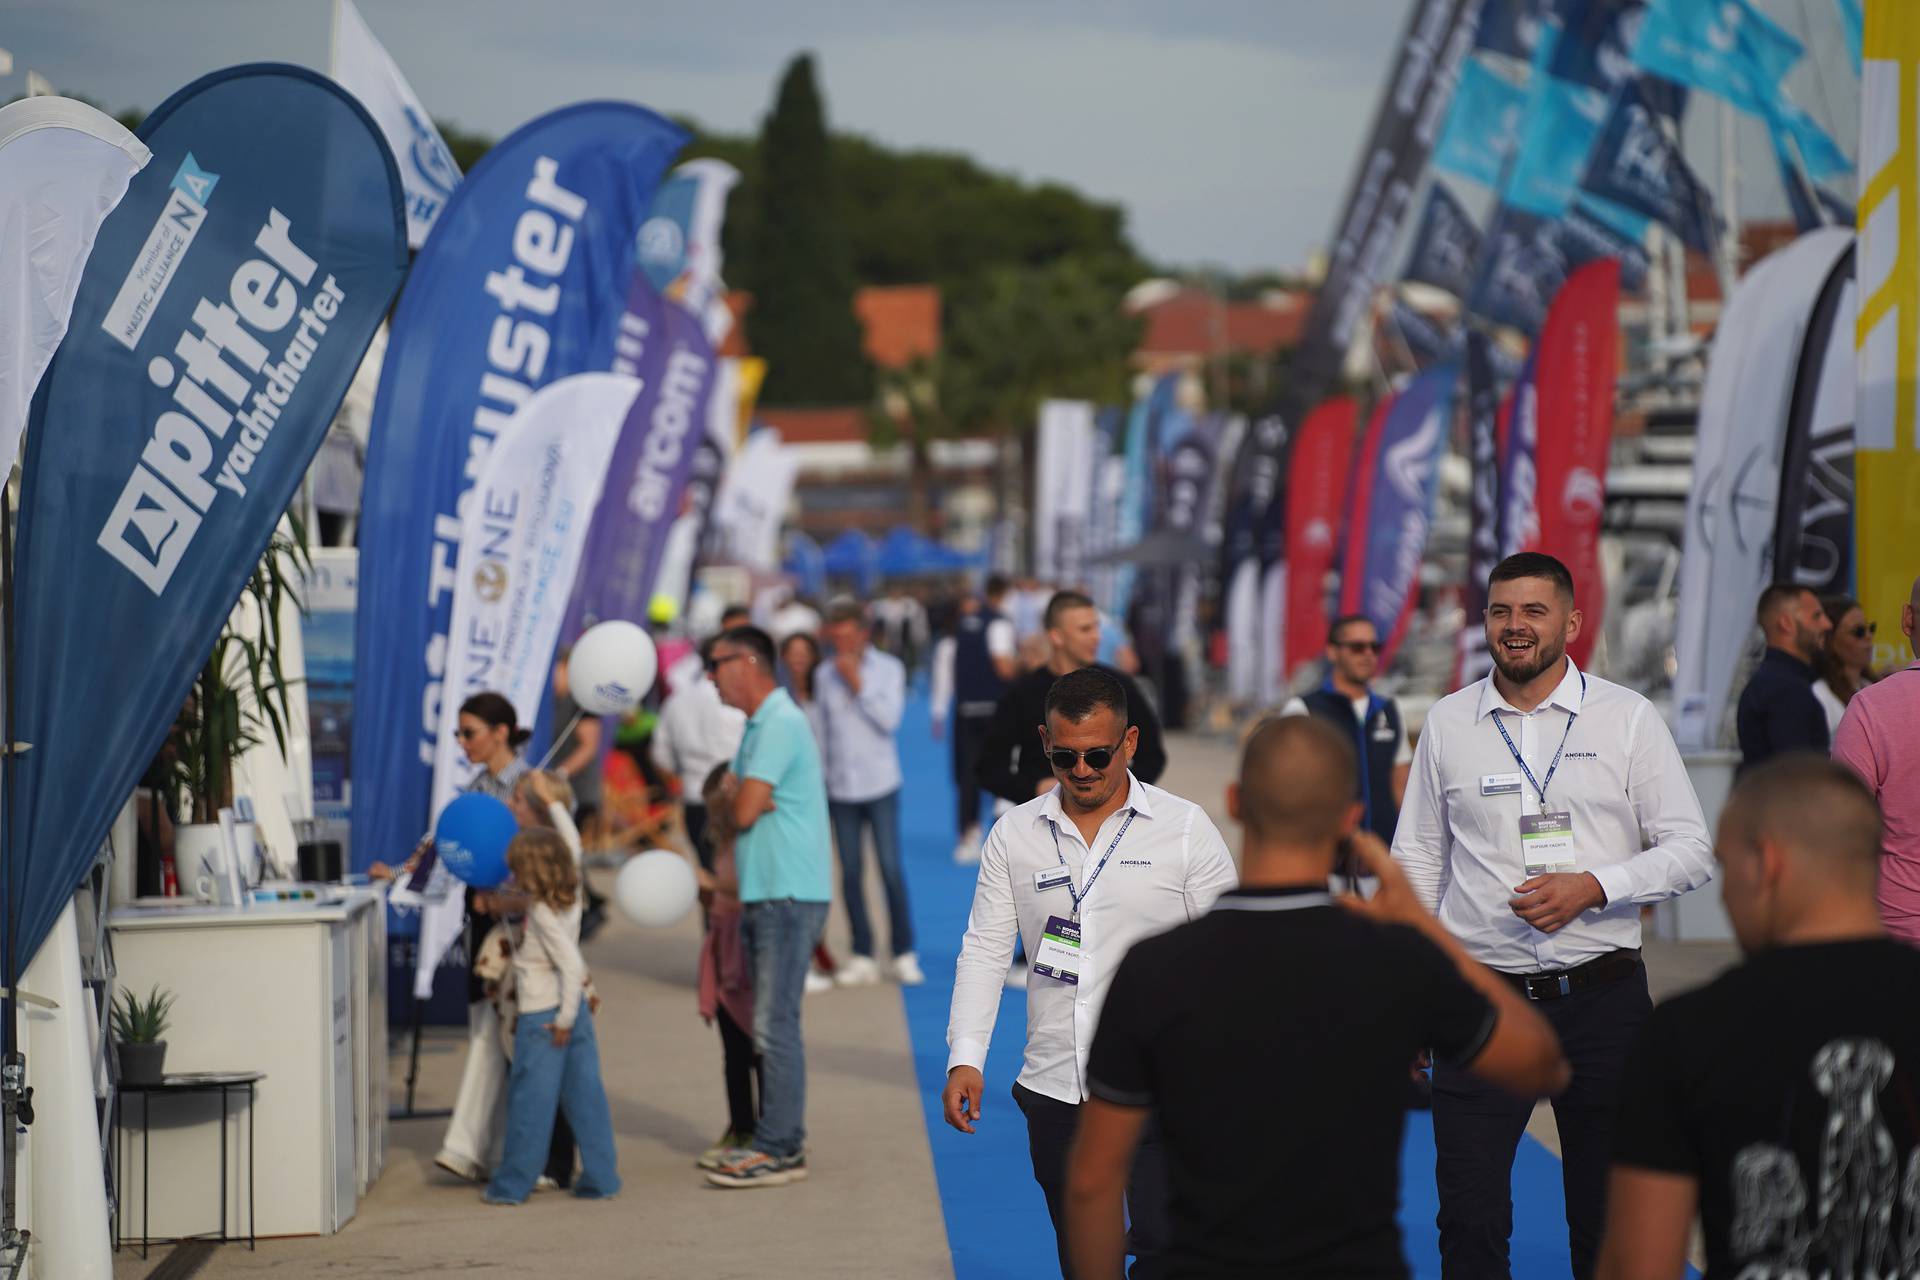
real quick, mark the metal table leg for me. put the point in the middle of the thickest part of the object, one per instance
(223, 1164)
(146, 1143)
(253, 1241)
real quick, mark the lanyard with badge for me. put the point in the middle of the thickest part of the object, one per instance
(1058, 955)
(1546, 838)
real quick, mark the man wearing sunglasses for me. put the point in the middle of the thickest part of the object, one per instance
(1347, 702)
(1078, 874)
(1011, 762)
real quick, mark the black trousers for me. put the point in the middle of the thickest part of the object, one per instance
(1477, 1128)
(1050, 1129)
(742, 1068)
(969, 734)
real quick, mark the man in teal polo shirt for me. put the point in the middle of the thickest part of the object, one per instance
(784, 856)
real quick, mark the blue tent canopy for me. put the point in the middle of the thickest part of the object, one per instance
(906, 553)
(807, 563)
(852, 555)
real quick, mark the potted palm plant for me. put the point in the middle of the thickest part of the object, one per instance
(138, 1025)
(240, 695)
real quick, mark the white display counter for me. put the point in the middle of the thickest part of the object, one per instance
(296, 990)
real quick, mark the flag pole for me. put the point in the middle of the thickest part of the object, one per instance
(16, 1100)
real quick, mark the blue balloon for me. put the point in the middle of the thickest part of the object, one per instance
(472, 837)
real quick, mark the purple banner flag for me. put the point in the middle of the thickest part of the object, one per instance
(666, 347)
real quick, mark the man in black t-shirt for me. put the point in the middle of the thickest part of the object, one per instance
(1782, 1101)
(1012, 763)
(1270, 1040)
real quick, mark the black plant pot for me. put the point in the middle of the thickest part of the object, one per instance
(141, 1063)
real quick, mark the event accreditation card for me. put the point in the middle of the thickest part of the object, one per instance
(1058, 955)
(1546, 842)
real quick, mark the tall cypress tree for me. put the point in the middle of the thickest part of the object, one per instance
(802, 320)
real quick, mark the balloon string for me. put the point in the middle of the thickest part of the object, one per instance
(561, 737)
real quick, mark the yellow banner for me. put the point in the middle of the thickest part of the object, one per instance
(753, 372)
(1886, 465)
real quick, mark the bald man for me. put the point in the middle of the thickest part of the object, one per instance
(1876, 739)
(1280, 1110)
(1781, 1102)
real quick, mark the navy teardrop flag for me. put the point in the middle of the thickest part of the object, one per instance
(523, 282)
(225, 307)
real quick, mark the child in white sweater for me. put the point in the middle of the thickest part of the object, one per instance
(556, 1059)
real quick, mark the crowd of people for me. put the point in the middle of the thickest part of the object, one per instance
(1217, 1058)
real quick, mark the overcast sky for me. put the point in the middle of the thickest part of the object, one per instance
(1226, 128)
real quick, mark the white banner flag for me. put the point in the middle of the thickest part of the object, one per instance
(63, 168)
(1728, 556)
(520, 540)
(753, 501)
(1063, 492)
(363, 68)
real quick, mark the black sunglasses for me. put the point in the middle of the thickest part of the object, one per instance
(714, 664)
(1065, 759)
(1360, 646)
(1862, 631)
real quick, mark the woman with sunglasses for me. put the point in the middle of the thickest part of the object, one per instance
(489, 732)
(1846, 666)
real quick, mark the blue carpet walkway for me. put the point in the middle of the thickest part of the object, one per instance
(996, 1220)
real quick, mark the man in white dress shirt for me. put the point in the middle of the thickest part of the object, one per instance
(1078, 875)
(1546, 807)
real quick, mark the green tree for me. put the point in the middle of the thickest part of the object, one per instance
(802, 320)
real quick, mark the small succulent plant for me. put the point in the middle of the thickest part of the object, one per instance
(137, 1021)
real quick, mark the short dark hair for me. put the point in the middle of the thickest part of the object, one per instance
(1079, 694)
(1534, 564)
(997, 586)
(754, 641)
(1776, 600)
(1342, 622)
(1063, 601)
(1812, 805)
(1298, 780)
(734, 611)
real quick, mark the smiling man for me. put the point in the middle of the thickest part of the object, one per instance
(1079, 874)
(1545, 808)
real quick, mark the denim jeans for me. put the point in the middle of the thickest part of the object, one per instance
(780, 937)
(882, 816)
(545, 1078)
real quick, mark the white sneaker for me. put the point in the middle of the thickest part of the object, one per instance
(858, 971)
(818, 982)
(906, 970)
(967, 852)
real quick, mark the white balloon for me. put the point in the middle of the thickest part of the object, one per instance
(611, 668)
(656, 889)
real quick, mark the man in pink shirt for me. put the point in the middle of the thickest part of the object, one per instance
(1876, 739)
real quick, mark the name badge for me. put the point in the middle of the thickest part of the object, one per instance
(1051, 878)
(1058, 955)
(1546, 842)
(1383, 734)
(1500, 784)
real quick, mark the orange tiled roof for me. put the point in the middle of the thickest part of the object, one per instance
(899, 323)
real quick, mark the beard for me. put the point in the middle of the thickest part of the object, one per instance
(1522, 667)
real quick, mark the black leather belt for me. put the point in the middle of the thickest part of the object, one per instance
(1611, 967)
